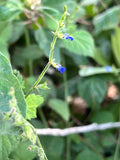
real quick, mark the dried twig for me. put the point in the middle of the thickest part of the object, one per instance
(75, 130)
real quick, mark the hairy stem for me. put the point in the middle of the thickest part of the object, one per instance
(39, 79)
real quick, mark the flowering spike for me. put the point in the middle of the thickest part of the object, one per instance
(108, 68)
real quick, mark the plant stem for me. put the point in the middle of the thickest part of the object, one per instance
(30, 63)
(39, 79)
(41, 114)
(57, 33)
(27, 38)
(40, 146)
(65, 78)
(68, 139)
(51, 51)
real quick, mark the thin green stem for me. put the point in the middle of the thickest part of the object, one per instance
(57, 33)
(39, 79)
(27, 38)
(65, 78)
(40, 146)
(30, 63)
(68, 143)
(53, 44)
(42, 116)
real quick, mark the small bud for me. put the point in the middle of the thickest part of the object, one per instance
(29, 148)
(65, 8)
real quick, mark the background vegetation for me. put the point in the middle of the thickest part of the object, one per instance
(87, 92)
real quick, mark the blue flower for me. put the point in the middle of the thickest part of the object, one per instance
(66, 36)
(108, 68)
(60, 68)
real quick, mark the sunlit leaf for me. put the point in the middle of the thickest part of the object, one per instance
(33, 101)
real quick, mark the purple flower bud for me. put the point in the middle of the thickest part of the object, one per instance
(108, 68)
(71, 38)
(60, 68)
(66, 36)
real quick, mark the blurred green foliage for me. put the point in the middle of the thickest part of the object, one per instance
(86, 93)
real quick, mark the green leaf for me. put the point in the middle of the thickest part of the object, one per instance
(5, 34)
(82, 44)
(7, 144)
(5, 31)
(21, 152)
(7, 128)
(53, 146)
(87, 155)
(115, 45)
(89, 71)
(50, 9)
(100, 58)
(102, 117)
(91, 91)
(10, 10)
(51, 19)
(44, 39)
(72, 87)
(8, 80)
(78, 59)
(60, 4)
(19, 78)
(93, 139)
(33, 101)
(43, 86)
(4, 48)
(113, 107)
(22, 55)
(108, 140)
(60, 107)
(107, 20)
(17, 31)
(91, 10)
(46, 93)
